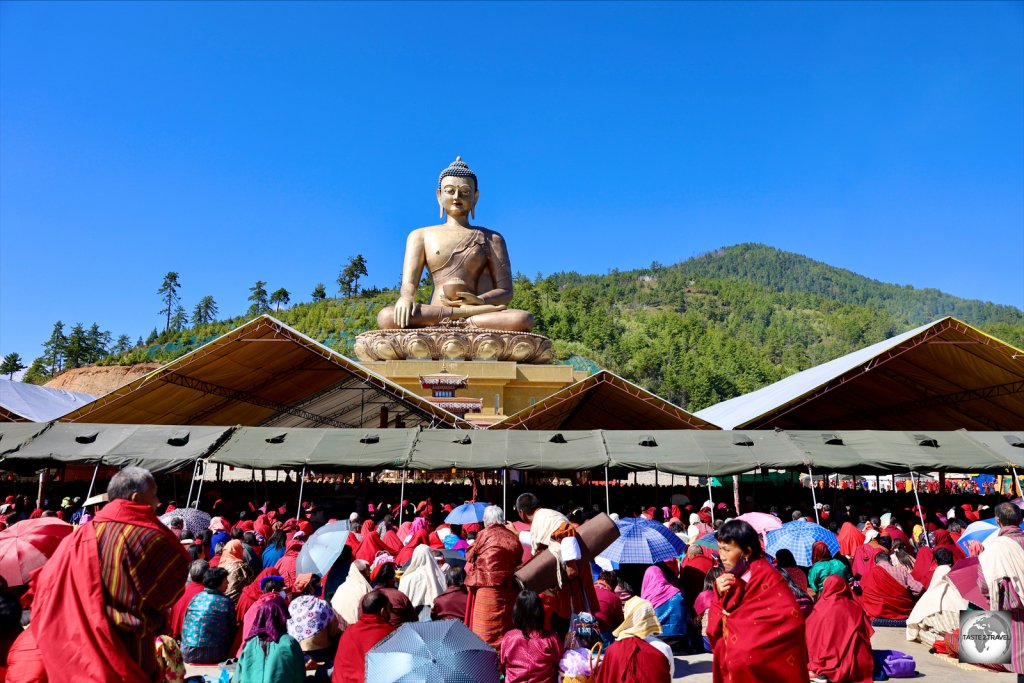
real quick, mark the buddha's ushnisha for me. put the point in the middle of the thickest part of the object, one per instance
(468, 264)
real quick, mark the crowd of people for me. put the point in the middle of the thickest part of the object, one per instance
(130, 596)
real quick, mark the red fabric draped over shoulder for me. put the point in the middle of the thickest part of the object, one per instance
(405, 554)
(631, 660)
(839, 635)
(371, 544)
(850, 538)
(757, 630)
(884, 597)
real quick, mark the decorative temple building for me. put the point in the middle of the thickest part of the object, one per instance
(443, 386)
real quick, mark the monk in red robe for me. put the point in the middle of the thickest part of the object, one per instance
(839, 636)
(373, 626)
(755, 627)
(105, 594)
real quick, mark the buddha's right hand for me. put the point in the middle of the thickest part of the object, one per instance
(403, 311)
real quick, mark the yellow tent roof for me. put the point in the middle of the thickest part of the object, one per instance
(603, 401)
(264, 373)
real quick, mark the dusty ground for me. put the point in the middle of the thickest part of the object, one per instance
(100, 380)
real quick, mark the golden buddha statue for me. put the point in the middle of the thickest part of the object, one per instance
(468, 264)
(467, 317)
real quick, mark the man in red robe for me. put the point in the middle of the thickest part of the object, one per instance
(360, 637)
(883, 595)
(104, 596)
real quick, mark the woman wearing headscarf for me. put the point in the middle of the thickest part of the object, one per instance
(864, 556)
(667, 602)
(346, 599)
(944, 540)
(937, 613)
(850, 538)
(422, 581)
(824, 566)
(269, 654)
(637, 656)
(839, 636)
(312, 621)
(371, 544)
(419, 534)
(240, 575)
(286, 566)
(264, 587)
(491, 563)
(382, 578)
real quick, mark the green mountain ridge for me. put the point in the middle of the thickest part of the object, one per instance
(698, 332)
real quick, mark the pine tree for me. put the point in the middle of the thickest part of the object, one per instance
(38, 372)
(169, 295)
(96, 343)
(280, 296)
(11, 364)
(122, 345)
(348, 279)
(77, 347)
(259, 299)
(319, 292)
(54, 349)
(153, 336)
(179, 320)
(205, 311)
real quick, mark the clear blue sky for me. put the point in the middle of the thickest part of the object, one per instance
(235, 142)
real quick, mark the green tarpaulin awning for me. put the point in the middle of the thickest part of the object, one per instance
(325, 449)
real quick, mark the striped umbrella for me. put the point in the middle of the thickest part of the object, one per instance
(436, 651)
(709, 541)
(799, 538)
(28, 545)
(643, 541)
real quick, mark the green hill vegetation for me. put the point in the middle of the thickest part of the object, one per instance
(697, 332)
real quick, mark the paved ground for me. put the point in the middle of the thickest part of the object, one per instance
(697, 668)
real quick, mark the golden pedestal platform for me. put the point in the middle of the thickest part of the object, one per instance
(453, 342)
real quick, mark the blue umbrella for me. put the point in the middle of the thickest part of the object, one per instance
(977, 531)
(643, 541)
(709, 540)
(436, 651)
(469, 513)
(799, 537)
(320, 550)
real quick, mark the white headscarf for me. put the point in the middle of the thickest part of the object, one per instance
(886, 519)
(348, 596)
(422, 581)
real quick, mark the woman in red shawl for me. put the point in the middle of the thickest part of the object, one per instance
(839, 636)
(420, 536)
(491, 563)
(944, 540)
(371, 543)
(755, 627)
(850, 538)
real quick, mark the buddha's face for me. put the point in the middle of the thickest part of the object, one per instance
(457, 196)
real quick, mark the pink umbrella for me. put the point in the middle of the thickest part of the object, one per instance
(28, 545)
(761, 522)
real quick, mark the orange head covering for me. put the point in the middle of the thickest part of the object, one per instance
(232, 553)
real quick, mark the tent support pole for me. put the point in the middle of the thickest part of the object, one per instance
(504, 490)
(195, 468)
(736, 492)
(920, 512)
(711, 499)
(401, 500)
(1016, 480)
(200, 493)
(302, 484)
(92, 483)
(814, 496)
(607, 494)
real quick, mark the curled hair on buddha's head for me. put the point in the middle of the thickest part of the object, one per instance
(458, 169)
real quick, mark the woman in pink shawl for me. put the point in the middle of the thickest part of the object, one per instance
(667, 602)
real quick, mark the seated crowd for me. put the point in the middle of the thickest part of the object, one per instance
(163, 596)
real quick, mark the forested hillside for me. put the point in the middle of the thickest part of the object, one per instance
(698, 332)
